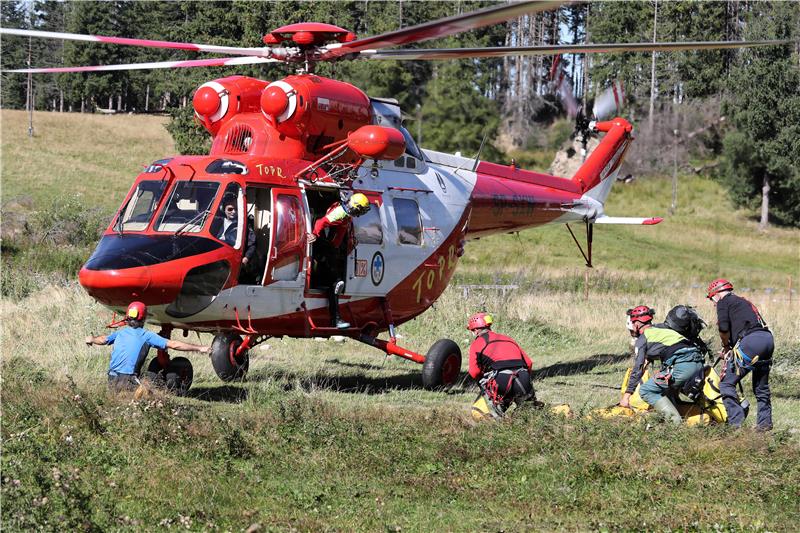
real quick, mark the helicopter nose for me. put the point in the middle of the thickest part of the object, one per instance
(116, 287)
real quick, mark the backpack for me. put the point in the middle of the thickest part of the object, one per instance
(685, 320)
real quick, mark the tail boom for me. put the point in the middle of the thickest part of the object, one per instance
(507, 199)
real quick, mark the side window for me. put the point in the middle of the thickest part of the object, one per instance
(368, 227)
(409, 225)
(288, 236)
(229, 217)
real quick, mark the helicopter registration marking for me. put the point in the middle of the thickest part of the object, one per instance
(269, 170)
(428, 277)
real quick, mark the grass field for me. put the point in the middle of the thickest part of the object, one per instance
(328, 436)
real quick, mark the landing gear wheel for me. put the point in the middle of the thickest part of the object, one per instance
(442, 364)
(178, 377)
(226, 364)
(155, 373)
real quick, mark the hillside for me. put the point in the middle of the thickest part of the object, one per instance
(333, 436)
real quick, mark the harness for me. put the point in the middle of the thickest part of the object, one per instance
(510, 367)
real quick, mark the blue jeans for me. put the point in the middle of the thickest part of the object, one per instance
(759, 344)
(651, 391)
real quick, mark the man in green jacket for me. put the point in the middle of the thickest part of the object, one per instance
(680, 362)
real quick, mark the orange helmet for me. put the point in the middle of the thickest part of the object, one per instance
(136, 311)
(717, 286)
(479, 321)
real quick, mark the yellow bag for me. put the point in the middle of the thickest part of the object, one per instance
(482, 409)
(636, 401)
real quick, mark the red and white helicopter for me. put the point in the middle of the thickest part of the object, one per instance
(288, 149)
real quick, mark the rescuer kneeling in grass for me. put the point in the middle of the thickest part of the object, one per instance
(680, 362)
(131, 345)
(500, 366)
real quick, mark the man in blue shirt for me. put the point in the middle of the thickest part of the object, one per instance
(131, 345)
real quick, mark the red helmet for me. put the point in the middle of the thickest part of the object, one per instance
(479, 321)
(136, 311)
(641, 313)
(717, 286)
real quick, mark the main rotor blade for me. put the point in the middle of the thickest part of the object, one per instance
(214, 62)
(461, 53)
(441, 27)
(230, 50)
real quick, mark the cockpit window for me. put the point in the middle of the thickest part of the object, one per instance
(411, 145)
(136, 214)
(189, 207)
(226, 166)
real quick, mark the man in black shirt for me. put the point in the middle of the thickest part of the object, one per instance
(748, 345)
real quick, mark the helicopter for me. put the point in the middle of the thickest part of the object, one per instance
(283, 152)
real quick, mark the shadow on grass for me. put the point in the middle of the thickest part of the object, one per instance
(352, 383)
(224, 393)
(578, 367)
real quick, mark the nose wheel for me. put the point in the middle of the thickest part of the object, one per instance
(176, 378)
(229, 360)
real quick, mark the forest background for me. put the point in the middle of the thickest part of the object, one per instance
(733, 114)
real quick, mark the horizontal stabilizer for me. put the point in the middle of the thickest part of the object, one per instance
(628, 220)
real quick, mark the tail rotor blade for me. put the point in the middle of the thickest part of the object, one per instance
(609, 102)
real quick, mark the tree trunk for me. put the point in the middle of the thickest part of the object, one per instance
(764, 203)
(653, 71)
(110, 102)
(60, 100)
(147, 99)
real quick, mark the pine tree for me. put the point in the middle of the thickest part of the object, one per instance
(14, 54)
(764, 107)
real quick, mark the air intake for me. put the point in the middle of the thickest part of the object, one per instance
(239, 139)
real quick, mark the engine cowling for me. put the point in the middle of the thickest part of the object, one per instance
(317, 110)
(215, 102)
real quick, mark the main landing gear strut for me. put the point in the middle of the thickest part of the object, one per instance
(230, 354)
(440, 366)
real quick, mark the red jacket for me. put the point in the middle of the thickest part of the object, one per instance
(493, 351)
(338, 220)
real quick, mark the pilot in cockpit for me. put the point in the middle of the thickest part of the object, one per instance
(227, 229)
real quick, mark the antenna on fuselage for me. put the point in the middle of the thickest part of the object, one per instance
(478, 155)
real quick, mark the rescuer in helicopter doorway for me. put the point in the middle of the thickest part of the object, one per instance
(333, 227)
(131, 345)
(500, 366)
(680, 362)
(747, 345)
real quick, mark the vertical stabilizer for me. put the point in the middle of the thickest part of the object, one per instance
(596, 175)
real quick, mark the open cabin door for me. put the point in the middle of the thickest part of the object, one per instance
(287, 245)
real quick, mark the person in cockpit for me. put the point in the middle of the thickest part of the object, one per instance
(226, 228)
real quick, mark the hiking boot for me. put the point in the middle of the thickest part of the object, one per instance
(341, 324)
(667, 409)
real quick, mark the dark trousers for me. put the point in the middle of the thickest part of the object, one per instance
(759, 343)
(122, 382)
(514, 390)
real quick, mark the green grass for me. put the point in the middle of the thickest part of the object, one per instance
(334, 436)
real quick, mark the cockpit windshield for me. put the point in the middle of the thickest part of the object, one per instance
(189, 207)
(411, 145)
(137, 212)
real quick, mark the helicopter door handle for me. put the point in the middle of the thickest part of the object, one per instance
(274, 254)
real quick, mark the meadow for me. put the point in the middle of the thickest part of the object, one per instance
(333, 436)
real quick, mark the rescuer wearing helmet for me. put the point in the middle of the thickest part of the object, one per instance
(680, 361)
(131, 345)
(747, 345)
(335, 224)
(497, 362)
